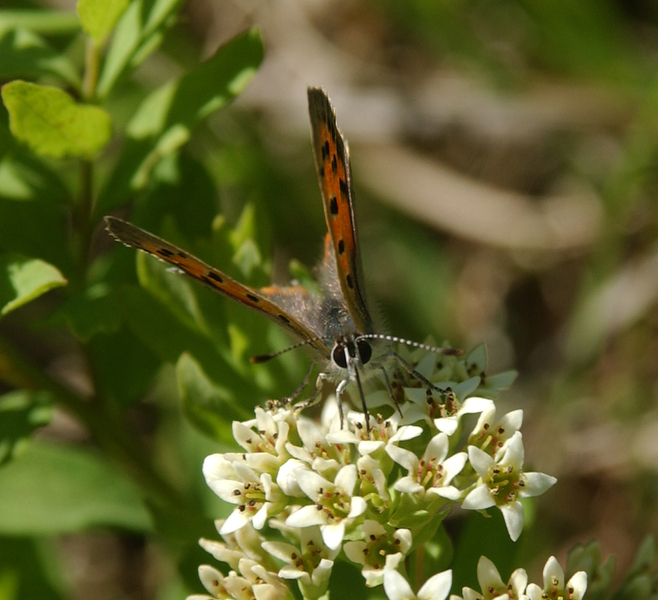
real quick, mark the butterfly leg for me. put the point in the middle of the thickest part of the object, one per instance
(387, 381)
(354, 376)
(411, 371)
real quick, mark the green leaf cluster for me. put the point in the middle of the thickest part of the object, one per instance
(69, 154)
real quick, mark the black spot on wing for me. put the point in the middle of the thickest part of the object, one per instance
(164, 252)
(350, 281)
(284, 318)
(325, 150)
(253, 298)
(333, 205)
(216, 277)
(343, 187)
(341, 247)
(334, 164)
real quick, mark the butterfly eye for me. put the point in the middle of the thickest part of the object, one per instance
(365, 351)
(338, 356)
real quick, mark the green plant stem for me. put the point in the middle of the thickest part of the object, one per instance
(110, 434)
(92, 64)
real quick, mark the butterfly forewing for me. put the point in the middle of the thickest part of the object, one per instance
(133, 236)
(333, 167)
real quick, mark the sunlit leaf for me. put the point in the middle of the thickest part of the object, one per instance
(24, 279)
(166, 118)
(51, 123)
(98, 17)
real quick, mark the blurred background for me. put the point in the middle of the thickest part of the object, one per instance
(505, 163)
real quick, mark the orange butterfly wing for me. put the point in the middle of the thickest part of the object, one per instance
(333, 166)
(134, 236)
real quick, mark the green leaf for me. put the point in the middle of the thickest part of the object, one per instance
(23, 53)
(209, 407)
(98, 17)
(166, 118)
(53, 489)
(40, 21)
(21, 412)
(51, 123)
(138, 33)
(24, 279)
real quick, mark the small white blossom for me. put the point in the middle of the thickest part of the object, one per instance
(235, 482)
(432, 473)
(493, 587)
(334, 504)
(490, 435)
(310, 564)
(554, 586)
(380, 549)
(436, 587)
(503, 483)
(246, 542)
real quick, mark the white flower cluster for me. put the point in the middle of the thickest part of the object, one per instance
(369, 498)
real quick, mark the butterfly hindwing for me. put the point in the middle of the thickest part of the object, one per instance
(134, 236)
(333, 167)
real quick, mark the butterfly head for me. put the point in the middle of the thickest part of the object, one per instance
(349, 351)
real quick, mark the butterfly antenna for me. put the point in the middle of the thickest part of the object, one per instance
(397, 340)
(266, 357)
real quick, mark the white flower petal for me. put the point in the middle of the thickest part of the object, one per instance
(369, 446)
(474, 404)
(311, 483)
(534, 592)
(209, 577)
(512, 453)
(404, 433)
(357, 507)
(536, 484)
(453, 465)
(288, 475)
(487, 574)
(355, 552)
(225, 489)
(436, 587)
(478, 499)
(512, 421)
(280, 550)
(449, 492)
(396, 586)
(406, 539)
(447, 425)
(346, 478)
(513, 515)
(333, 535)
(306, 516)
(437, 447)
(235, 521)
(553, 571)
(408, 485)
(579, 584)
(403, 457)
(481, 462)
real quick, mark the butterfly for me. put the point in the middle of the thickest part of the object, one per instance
(336, 326)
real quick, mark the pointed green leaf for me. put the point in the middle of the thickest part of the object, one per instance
(166, 118)
(24, 279)
(51, 489)
(23, 53)
(98, 17)
(51, 123)
(138, 33)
